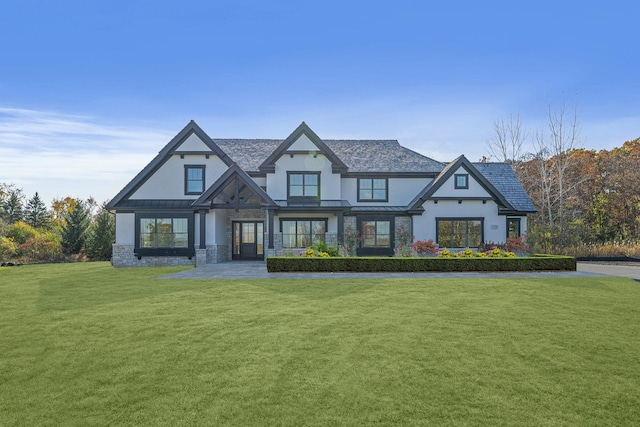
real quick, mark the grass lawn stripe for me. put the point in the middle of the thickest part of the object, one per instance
(86, 344)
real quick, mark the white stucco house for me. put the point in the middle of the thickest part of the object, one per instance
(204, 200)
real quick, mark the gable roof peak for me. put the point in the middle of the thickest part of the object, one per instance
(338, 165)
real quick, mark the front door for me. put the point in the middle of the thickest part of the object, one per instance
(248, 240)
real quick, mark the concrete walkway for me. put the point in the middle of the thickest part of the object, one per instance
(258, 270)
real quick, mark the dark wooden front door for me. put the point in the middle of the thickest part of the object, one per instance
(248, 240)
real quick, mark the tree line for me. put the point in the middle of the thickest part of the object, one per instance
(588, 201)
(71, 229)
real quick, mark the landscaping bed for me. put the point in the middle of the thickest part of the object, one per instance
(414, 265)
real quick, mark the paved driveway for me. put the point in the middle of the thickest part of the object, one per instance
(258, 270)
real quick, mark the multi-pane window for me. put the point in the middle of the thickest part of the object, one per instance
(372, 189)
(302, 233)
(459, 233)
(164, 232)
(194, 179)
(461, 181)
(376, 234)
(304, 184)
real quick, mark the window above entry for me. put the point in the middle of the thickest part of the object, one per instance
(194, 179)
(373, 190)
(461, 181)
(303, 185)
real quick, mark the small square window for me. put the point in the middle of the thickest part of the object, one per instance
(461, 181)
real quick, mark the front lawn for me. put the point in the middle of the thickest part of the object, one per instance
(87, 344)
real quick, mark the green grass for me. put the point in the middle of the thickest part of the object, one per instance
(86, 344)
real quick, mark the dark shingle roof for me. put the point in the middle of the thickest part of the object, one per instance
(358, 155)
(503, 178)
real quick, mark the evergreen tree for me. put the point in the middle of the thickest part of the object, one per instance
(102, 234)
(74, 230)
(11, 204)
(36, 214)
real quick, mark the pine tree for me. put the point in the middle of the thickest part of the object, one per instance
(74, 231)
(11, 208)
(36, 214)
(102, 234)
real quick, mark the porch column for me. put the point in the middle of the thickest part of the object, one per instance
(203, 229)
(340, 216)
(270, 215)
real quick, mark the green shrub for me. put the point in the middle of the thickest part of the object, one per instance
(43, 247)
(321, 247)
(7, 248)
(20, 232)
(395, 264)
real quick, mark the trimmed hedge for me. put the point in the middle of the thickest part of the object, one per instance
(414, 265)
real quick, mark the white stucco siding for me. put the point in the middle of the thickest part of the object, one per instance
(168, 181)
(125, 228)
(219, 229)
(401, 191)
(495, 226)
(329, 182)
(448, 188)
(303, 144)
(193, 143)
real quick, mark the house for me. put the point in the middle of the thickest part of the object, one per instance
(204, 200)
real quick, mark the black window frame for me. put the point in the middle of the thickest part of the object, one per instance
(373, 199)
(303, 197)
(455, 181)
(186, 179)
(188, 251)
(514, 220)
(376, 251)
(310, 220)
(460, 219)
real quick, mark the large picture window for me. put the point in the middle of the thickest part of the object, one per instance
(302, 233)
(304, 184)
(194, 179)
(164, 233)
(372, 190)
(459, 232)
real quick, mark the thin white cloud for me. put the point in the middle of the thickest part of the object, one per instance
(61, 155)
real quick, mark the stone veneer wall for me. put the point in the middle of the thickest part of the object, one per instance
(404, 222)
(350, 222)
(123, 256)
(218, 253)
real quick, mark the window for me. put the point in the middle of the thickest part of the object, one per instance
(302, 233)
(459, 233)
(376, 234)
(372, 190)
(461, 181)
(513, 227)
(304, 184)
(164, 233)
(193, 179)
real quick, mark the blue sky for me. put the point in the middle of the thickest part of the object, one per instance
(90, 91)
